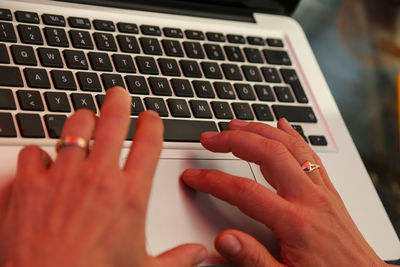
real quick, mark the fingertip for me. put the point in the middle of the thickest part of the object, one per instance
(237, 124)
(228, 244)
(284, 125)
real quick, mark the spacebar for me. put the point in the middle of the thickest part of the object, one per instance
(181, 130)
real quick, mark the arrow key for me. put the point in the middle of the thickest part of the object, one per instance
(30, 100)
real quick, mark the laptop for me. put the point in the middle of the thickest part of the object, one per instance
(199, 64)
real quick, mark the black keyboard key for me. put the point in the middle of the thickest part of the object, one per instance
(172, 48)
(271, 75)
(30, 125)
(4, 57)
(160, 86)
(7, 32)
(263, 112)
(186, 130)
(193, 50)
(147, 65)
(128, 27)
(264, 92)
(283, 93)
(10, 76)
(83, 101)
(53, 20)
(253, 55)
(150, 46)
(30, 34)
(299, 129)
(89, 81)
(104, 25)
(178, 108)
(124, 63)
(7, 99)
(211, 70)
(277, 57)
(295, 113)
(50, 57)
(290, 77)
(75, 59)
(5, 14)
(81, 23)
(224, 90)
(255, 40)
(156, 104)
(275, 42)
(318, 140)
(214, 52)
(56, 37)
(111, 80)
(195, 35)
(236, 39)
(81, 39)
(232, 72)
(223, 126)
(190, 68)
(173, 32)
(28, 17)
(105, 41)
(30, 100)
(128, 44)
(244, 91)
(37, 78)
(7, 127)
(23, 55)
(63, 80)
(57, 102)
(234, 53)
(54, 124)
(242, 111)
(200, 109)
(215, 36)
(137, 85)
(169, 67)
(136, 106)
(222, 110)
(182, 87)
(100, 61)
(203, 89)
(150, 30)
(252, 73)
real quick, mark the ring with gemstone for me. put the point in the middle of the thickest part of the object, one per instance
(309, 167)
(72, 141)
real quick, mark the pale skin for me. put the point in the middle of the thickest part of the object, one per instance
(86, 210)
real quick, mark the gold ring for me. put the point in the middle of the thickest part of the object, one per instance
(309, 167)
(72, 141)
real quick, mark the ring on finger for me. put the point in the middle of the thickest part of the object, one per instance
(309, 167)
(69, 140)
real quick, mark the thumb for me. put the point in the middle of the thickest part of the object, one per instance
(187, 255)
(244, 250)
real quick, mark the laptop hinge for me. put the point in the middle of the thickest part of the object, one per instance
(183, 8)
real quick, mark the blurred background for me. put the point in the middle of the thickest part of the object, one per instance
(357, 44)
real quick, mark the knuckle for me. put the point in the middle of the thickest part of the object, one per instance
(244, 187)
(298, 145)
(274, 147)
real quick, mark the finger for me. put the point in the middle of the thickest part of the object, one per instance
(80, 124)
(145, 151)
(277, 164)
(294, 143)
(112, 127)
(243, 250)
(32, 160)
(251, 198)
(5, 196)
(183, 256)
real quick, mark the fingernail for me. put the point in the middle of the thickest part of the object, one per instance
(239, 123)
(208, 135)
(285, 123)
(229, 245)
(201, 256)
(191, 172)
(152, 113)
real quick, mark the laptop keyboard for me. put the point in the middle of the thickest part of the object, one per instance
(51, 65)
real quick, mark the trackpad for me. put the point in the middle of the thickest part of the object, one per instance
(178, 214)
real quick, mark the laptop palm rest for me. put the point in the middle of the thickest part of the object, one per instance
(177, 214)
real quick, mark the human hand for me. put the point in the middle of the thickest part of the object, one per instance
(306, 213)
(84, 209)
